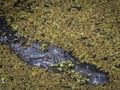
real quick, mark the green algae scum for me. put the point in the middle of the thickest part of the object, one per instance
(88, 29)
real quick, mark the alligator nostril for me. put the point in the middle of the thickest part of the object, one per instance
(98, 78)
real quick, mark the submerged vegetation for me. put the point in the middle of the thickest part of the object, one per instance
(88, 29)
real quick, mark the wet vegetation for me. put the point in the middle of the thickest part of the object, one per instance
(88, 29)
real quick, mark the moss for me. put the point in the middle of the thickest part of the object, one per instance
(96, 20)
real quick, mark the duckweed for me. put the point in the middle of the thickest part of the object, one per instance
(68, 68)
(44, 47)
(90, 31)
(63, 65)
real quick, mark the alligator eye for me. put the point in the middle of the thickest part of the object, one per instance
(48, 59)
(89, 74)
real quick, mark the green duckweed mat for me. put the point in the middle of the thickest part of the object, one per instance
(89, 29)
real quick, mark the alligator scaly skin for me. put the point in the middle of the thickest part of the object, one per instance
(33, 55)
